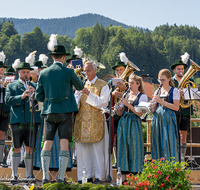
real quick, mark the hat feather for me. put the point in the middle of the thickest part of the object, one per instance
(185, 57)
(31, 58)
(78, 52)
(123, 58)
(16, 64)
(43, 58)
(52, 42)
(2, 56)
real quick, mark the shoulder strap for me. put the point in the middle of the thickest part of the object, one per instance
(137, 99)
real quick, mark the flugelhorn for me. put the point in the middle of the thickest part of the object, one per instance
(130, 68)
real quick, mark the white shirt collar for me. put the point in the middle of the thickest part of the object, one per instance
(25, 86)
(58, 62)
(92, 81)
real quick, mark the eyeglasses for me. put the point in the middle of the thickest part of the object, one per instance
(161, 80)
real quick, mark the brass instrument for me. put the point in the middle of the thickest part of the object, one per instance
(79, 74)
(194, 67)
(4, 82)
(130, 68)
(85, 59)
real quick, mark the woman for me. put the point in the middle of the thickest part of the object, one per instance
(164, 132)
(129, 133)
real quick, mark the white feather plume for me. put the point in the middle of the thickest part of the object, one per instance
(185, 57)
(16, 64)
(31, 58)
(2, 56)
(78, 52)
(52, 42)
(43, 58)
(123, 58)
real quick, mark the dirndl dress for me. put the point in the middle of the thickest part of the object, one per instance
(164, 132)
(130, 153)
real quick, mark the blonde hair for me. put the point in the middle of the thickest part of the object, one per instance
(167, 73)
(138, 80)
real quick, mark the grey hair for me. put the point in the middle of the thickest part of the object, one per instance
(94, 65)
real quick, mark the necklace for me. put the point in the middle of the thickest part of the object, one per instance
(163, 91)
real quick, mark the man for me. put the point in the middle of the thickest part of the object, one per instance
(183, 116)
(90, 129)
(54, 88)
(10, 71)
(17, 96)
(119, 68)
(69, 60)
(4, 115)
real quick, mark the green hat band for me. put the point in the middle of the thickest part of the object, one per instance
(24, 65)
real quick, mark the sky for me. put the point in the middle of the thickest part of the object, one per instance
(142, 13)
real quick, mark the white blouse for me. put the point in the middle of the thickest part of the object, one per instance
(176, 94)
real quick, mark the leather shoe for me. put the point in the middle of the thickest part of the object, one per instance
(97, 181)
(44, 181)
(3, 165)
(30, 179)
(13, 179)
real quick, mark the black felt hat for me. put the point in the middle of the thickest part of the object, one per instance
(59, 50)
(24, 65)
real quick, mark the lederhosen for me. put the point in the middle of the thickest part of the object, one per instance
(183, 115)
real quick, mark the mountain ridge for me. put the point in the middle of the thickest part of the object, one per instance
(66, 26)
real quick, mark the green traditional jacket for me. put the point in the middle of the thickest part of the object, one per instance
(184, 111)
(55, 89)
(19, 109)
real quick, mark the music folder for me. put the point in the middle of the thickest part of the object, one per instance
(77, 64)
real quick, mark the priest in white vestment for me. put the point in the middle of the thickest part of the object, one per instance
(90, 129)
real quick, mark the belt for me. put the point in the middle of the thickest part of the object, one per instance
(56, 100)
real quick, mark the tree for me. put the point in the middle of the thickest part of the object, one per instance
(8, 29)
(12, 49)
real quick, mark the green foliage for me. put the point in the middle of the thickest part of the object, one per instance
(150, 51)
(161, 174)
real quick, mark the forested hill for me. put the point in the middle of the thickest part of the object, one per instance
(62, 26)
(149, 50)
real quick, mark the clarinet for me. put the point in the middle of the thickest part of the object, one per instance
(119, 103)
(144, 118)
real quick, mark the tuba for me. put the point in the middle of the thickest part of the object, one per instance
(194, 67)
(130, 68)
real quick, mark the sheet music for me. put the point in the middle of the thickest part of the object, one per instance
(193, 92)
(9, 79)
(116, 80)
(143, 107)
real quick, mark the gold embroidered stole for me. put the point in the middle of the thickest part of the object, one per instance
(89, 122)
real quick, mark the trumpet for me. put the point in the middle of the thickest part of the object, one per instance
(113, 112)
